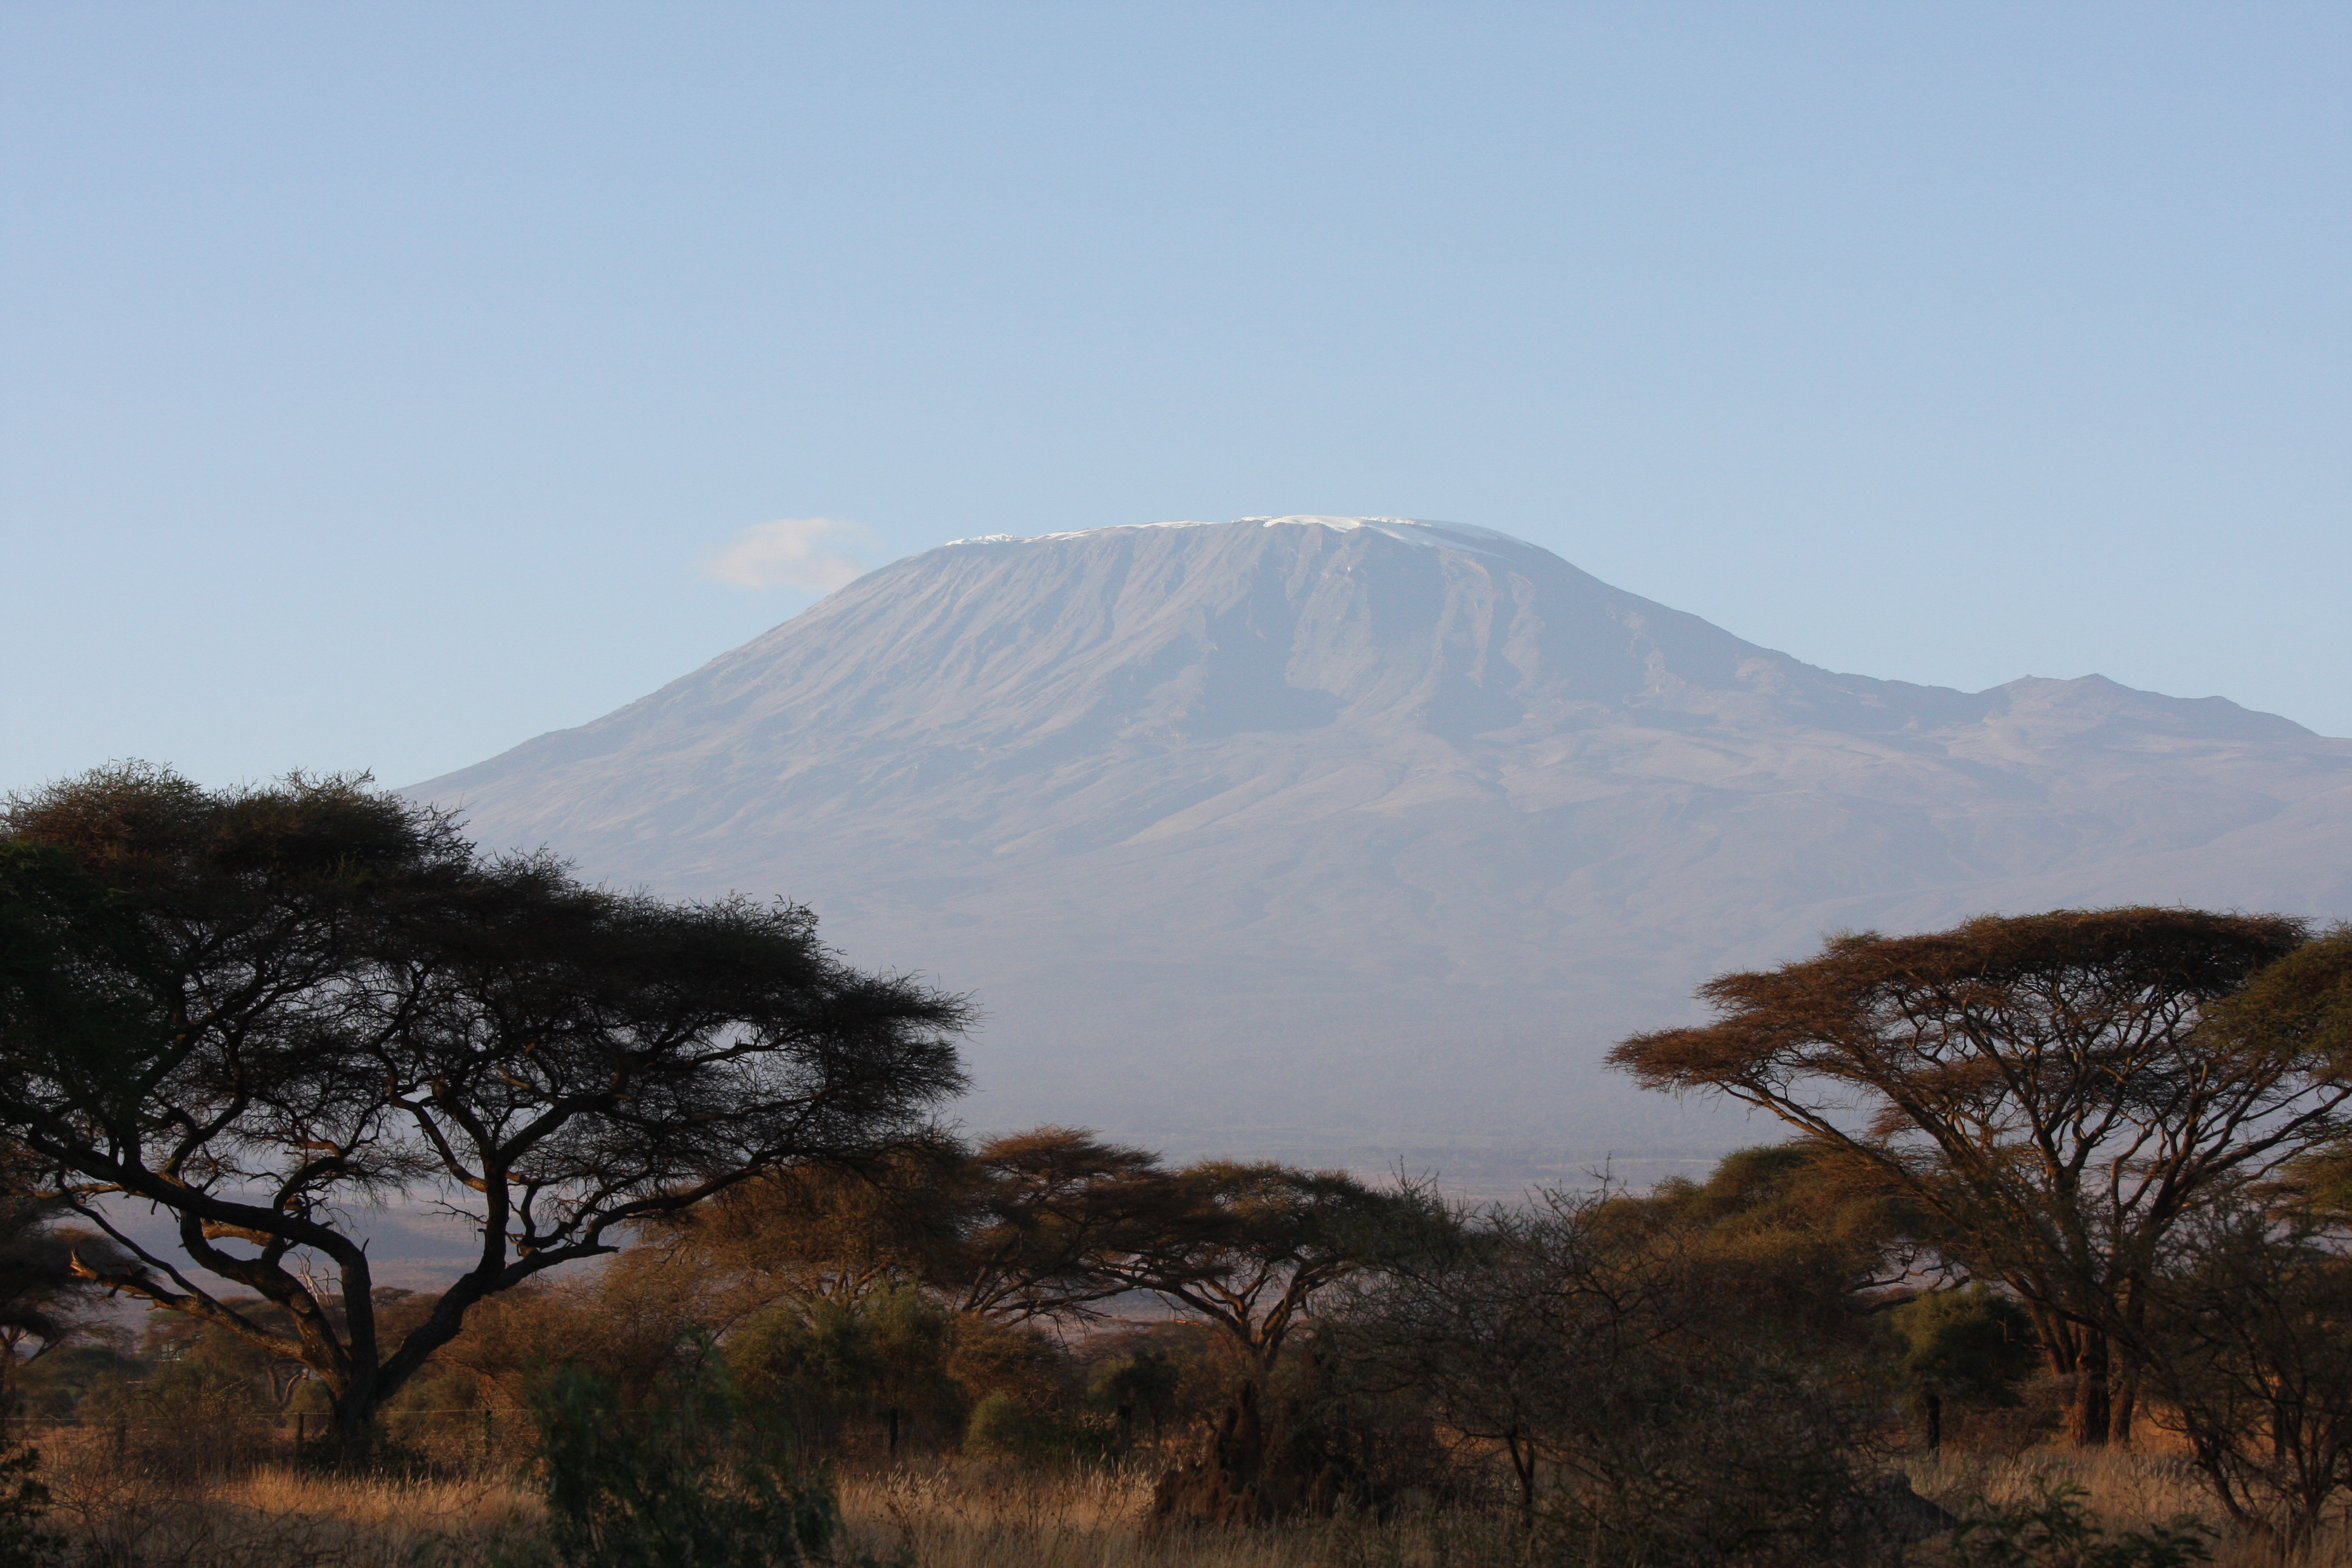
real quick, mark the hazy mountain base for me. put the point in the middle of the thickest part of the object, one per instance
(411, 1245)
(1357, 840)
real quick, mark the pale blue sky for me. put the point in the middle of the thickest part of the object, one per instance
(377, 375)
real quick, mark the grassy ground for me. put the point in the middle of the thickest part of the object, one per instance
(2126, 1490)
(974, 1516)
(128, 1515)
(967, 1517)
(944, 1514)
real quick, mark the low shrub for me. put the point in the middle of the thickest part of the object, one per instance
(1005, 1427)
(680, 1483)
(2053, 1528)
(23, 1544)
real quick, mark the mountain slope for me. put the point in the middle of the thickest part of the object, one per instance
(1313, 833)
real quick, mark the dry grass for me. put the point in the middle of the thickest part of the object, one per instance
(964, 1516)
(122, 1513)
(2128, 1490)
(942, 1514)
(949, 1515)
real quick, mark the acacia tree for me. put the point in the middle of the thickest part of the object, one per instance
(1248, 1246)
(818, 1232)
(1050, 1212)
(1014, 1228)
(1797, 1232)
(258, 1010)
(2059, 1091)
(1048, 1222)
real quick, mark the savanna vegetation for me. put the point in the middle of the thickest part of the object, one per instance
(2050, 1267)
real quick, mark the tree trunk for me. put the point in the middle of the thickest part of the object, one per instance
(2091, 1411)
(2057, 1338)
(1523, 1467)
(352, 1430)
(2123, 1403)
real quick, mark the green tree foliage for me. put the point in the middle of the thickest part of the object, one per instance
(1024, 1360)
(678, 1483)
(638, 1322)
(1973, 1343)
(1003, 1425)
(2057, 1091)
(255, 1008)
(60, 1385)
(1799, 1231)
(2316, 1185)
(887, 1357)
(1142, 1387)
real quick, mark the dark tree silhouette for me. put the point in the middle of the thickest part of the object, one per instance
(1014, 1228)
(2253, 1357)
(1248, 1246)
(1050, 1212)
(1635, 1350)
(42, 1298)
(257, 1009)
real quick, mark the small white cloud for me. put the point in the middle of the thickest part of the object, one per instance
(787, 553)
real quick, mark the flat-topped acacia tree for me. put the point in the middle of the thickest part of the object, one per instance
(1248, 1246)
(2060, 1091)
(261, 1010)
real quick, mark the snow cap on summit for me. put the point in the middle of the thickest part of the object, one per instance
(1409, 529)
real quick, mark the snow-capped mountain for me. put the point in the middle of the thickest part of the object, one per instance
(1315, 834)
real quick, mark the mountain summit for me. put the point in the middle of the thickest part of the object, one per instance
(1318, 834)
